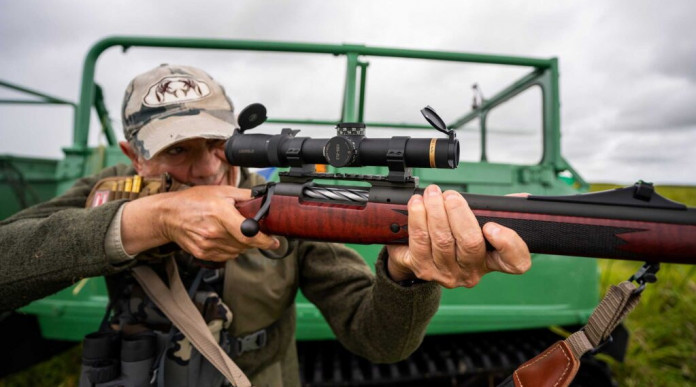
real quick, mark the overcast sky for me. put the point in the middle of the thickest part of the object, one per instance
(628, 68)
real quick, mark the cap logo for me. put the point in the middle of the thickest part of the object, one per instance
(176, 89)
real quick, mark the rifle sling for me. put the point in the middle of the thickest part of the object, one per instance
(558, 364)
(175, 303)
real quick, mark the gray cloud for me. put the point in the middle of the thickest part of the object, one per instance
(627, 67)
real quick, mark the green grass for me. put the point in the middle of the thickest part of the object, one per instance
(661, 349)
(679, 193)
(61, 370)
(662, 345)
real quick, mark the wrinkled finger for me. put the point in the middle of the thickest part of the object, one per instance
(442, 241)
(232, 220)
(217, 255)
(224, 255)
(223, 249)
(470, 243)
(511, 254)
(418, 236)
(399, 263)
(236, 194)
(260, 240)
(211, 248)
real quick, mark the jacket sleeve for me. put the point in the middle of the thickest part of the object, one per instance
(371, 315)
(52, 245)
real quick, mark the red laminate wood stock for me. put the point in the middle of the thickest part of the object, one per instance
(373, 223)
(377, 223)
(634, 240)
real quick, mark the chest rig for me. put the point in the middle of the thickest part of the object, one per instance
(149, 336)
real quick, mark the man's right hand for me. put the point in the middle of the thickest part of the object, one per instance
(202, 220)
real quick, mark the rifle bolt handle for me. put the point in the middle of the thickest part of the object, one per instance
(250, 227)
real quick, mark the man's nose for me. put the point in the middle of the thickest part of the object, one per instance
(208, 164)
(219, 152)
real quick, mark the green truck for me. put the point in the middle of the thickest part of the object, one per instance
(510, 143)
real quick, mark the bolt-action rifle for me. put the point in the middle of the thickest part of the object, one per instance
(633, 223)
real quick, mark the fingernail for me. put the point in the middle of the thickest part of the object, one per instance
(493, 230)
(451, 195)
(416, 200)
(433, 190)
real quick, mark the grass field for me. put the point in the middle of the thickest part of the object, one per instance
(662, 347)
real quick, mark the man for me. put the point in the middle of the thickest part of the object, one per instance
(176, 119)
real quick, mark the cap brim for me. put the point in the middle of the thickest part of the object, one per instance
(162, 133)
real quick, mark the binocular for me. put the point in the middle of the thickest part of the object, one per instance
(110, 359)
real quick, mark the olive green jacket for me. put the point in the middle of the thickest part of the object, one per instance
(55, 244)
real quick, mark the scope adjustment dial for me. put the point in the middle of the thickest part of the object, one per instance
(341, 151)
(350, 129)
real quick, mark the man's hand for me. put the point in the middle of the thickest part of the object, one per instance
(202, 220)
(446, 244)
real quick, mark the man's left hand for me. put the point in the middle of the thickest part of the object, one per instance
(446, 244)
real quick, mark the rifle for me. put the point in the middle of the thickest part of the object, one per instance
(632, 223)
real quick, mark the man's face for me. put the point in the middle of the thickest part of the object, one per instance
(198, 161)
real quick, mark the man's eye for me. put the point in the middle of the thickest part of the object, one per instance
(176, 150)
(216, 143)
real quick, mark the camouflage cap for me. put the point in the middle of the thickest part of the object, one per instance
(170, 103)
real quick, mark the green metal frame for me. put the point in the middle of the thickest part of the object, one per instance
(25, 181)
(498, 302)
(545, 74)
(351, 51)
(45, 99)
(547, 80)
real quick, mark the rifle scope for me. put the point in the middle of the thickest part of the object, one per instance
(350, 148)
